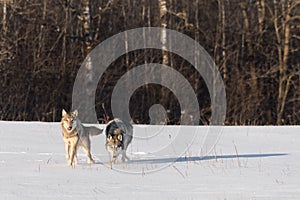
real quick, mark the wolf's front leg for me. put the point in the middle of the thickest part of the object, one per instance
(73, 154)
(67, 148)
(75, 157)
(112, 160)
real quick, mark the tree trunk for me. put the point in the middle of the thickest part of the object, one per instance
(4, 45)
(222, 36)
(284, 80)
(164, 96)
(87, 36)
(64, 44)
(87, 23)
(251, 106)
(126, 36)
(261, 15)
(163, 38)
(4, 26)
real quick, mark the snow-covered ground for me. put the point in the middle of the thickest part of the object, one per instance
(246, 163)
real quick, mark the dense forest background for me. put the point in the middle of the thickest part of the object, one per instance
(254, 43)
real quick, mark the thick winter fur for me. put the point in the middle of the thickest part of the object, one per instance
(118, 137)
(75, 134)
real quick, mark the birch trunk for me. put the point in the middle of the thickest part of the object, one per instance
(284, 79)
(87, 35)
(163, 38)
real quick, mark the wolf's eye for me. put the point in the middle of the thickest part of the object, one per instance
(120, 137)
(109, 138)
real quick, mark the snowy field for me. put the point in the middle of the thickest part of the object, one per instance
(246, 163)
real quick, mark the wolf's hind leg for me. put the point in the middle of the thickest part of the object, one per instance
(87, 151)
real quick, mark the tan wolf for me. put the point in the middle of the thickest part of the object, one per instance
(75, 134)
(118, 137)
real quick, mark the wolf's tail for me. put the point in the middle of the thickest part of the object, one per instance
(93, 131)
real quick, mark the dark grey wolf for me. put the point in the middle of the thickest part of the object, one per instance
(75, 134)
(118, 137)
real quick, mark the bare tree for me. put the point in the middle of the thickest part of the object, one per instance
(283, 49)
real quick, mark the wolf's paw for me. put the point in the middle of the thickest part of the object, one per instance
(71, 164)
(91, 161)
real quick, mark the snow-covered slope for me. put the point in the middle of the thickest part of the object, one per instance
(246, 163)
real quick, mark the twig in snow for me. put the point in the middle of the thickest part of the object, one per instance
(237, 155)
(178, 171)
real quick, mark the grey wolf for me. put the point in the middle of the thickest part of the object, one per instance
(118, 137)
(75, 134)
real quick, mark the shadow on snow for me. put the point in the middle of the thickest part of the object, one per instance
(201, 158)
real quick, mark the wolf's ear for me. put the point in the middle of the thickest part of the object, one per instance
(120, 137)
(75, 113)
(63, 113)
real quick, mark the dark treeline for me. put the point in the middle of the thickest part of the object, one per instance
(254, 43)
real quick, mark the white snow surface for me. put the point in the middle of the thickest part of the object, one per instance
(246, 163)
